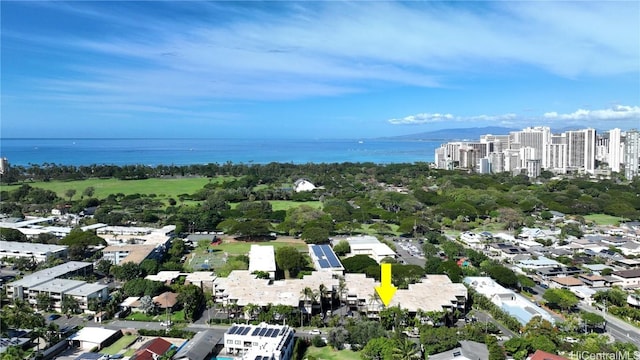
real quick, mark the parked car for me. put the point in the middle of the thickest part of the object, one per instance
(53, 317)
(166, 323)
(315, 332)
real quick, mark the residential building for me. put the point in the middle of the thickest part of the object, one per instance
(152, 349)
(199, 348)
(19, 289)
(262, 258)
(514, 304)
(301, 185)
(37, 252)
(89, 338)
(615, 150)
(628, 278)
(564, 282)
(324, 259)
(263, 341)
(121, 254)
(370, 246)
(632, 154)
(593, 280)
(468, 350)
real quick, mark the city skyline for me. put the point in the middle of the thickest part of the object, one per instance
(315, 70)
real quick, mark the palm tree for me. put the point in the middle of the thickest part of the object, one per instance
(308, 297)
(250, 311)
(322, 293)
(342, 289)
(374, 303)
(406, 350)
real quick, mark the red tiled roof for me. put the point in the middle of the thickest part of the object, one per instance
(543, 355)
(157, 346)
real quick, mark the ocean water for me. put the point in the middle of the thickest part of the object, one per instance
(203, 151)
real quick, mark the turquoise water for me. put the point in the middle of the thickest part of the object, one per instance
(221, 358)
(203, 151)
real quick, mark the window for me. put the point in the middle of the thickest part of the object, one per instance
(230, 342)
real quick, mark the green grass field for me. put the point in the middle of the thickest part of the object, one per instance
(328, 353)
(105, 187)
(217, 259)
(119, 345)
(603, 219)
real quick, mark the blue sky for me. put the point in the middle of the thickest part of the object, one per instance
(315, 69)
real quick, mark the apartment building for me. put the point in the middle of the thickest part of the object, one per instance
(259, 342)
(37, 252)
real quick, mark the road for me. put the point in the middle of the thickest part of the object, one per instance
(617, 328)
(484, 317)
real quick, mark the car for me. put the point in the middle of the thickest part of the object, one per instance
(315, 332)
(166, 323)
(571, 340)
(116, 356)
(53, 317)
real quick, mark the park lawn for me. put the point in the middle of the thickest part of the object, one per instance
(242, 247)
(603, 219)
(119, 345)
(328, 353)
(105, 187)
(286, 204)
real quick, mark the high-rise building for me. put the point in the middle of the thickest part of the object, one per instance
(4, 165)
(632, 154)
(616, 150)
(581, 150)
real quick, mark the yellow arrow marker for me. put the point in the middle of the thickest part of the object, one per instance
(386, 290)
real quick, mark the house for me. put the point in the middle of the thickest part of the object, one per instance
(549, 272)
(370, 246)
(593, 280)
(540, 262)
(152, 349)
(507, 251)
(89, 338)
(596, 268)
(198, 348)
(564, 282)
(543, 355)
(628, 278)
(303, 185)
(468, 350)
(628, 263)
(166, 301)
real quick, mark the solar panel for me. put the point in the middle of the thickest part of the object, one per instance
(246, 330)
(317, 250)
(275, 333)
(233, 330)
(268, 333)
(323, 263)
(262, 331)
(258, 357)
(255, 331)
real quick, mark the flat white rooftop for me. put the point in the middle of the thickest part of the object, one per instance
(58, 285)
(262, 258)
(29, 248)
(42, 276)
(86, 289)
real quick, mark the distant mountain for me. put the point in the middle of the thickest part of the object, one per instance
(457, 134)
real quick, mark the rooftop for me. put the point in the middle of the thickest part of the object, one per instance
(86, 289)
(627, 273)
(93, 334)
(45, 275)
(262, 258)
(58, 285)
(29, 248)
(324, 257)
(567, 281)
(199, 347)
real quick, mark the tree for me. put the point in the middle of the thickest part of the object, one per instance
(525, 282)
(358, 263)
(89, 191)
(381, 348)
(127, 271)
(7, 234)
(308, 297)
(289, 259)
(69, 305)
(405, 350)
(592, 320)
(571, 229)
(70, 193)
(561, 298)
(503, 275)
(337, 337)
(147, 305)
(192, 299)
(104, 267)
(322, 294)
(43, 301)
(315, 235)
(342, 248)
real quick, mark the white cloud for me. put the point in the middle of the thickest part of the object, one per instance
(423, 118)
(618, 112)
(615, 113)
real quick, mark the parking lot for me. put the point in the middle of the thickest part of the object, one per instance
(409, 251)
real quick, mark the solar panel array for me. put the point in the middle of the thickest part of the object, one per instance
(259, 331)
(326, 257)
